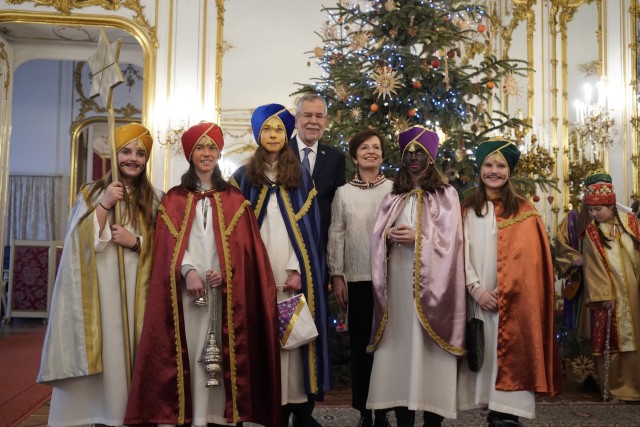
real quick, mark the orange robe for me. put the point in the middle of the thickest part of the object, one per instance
(528, 356)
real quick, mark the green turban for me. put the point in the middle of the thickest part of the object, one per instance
(598, 175)
(506, 148)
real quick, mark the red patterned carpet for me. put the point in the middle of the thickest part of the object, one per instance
(19, 363)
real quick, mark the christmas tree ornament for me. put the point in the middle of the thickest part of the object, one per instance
(452, 174)
(490, 84)
(359, 40)
(536, 198)
(511, 86)
(550, 198)
(389, 5)
(481, 28)
(374, 108)
(329, 31)
(356, 113)
(435, 63)
(460, 154)
(318, 52)
(342, 92)
(412, 28)
(412, 112)
(416, 85)
(393, 32)
(385, 81)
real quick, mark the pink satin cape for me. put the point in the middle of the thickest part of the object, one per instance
(438, 279)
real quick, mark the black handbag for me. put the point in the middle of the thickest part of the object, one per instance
(475, 343)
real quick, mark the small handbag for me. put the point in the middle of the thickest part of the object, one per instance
(297, 327)
(475, 342)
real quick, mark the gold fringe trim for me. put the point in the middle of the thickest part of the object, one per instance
(307, 204)
(520, 218)
(236, 218)
(233, 182)
(313, 380)
(260, 201)
(229, 278)
(173, 286)
(167, 221)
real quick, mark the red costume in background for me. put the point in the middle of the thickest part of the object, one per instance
(161, 390)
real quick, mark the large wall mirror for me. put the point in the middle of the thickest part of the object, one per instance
(51, 111)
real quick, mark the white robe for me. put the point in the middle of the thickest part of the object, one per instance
(409, 369)
(102, 398)
(477, 390)
(283, 259)
(202, 254)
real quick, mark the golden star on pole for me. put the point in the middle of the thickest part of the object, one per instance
(105, 71)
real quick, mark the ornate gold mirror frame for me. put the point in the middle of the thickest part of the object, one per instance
(142, 34)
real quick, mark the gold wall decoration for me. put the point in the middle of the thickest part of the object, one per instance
(65, 6)
(634, 10)
(522, 12)
(220, 50)
(5, 70)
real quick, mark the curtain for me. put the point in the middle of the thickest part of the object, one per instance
(37, 208)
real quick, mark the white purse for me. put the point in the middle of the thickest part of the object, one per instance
(297, 327)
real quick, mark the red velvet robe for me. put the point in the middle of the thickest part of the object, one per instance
(160, 390)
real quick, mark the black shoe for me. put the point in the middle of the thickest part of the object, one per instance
(308, 421)
(366, 420)
(381, 420)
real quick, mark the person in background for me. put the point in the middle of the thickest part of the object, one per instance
(212, 296)
(417, 270)
(611, 271)
(509, 276)
(353, 212)
(84, 356)
(568, 257)
(284, 199)
(325, 164)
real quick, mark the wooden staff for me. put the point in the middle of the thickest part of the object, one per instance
(106, 75)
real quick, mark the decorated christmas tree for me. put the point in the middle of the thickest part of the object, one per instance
(393, 64)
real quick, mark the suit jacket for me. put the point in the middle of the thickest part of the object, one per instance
(328, 175)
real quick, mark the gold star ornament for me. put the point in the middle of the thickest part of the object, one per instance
(105, 71)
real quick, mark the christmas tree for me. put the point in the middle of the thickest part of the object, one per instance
(393, 64)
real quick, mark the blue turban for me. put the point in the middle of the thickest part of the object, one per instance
(265, 112)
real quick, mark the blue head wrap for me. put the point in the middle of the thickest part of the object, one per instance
(265, 112)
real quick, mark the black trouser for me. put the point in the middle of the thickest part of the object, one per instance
(360, 319)
(406, 418)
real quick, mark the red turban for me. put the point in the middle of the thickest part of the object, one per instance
(195, 133)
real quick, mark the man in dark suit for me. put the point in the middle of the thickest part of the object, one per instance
(327, 168)
(326, 164)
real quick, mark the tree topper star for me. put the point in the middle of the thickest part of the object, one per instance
(105, 71)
